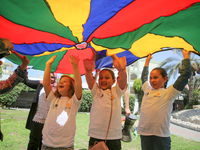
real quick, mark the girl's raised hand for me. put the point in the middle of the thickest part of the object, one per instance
(89, 65)
(186, 54)
(74, 59)
(149, 57)
(119, 63)
(51, 60)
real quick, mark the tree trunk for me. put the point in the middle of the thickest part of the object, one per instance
(191, 89)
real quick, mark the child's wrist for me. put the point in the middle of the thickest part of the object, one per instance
(122, 70)
(74, 65)
(88, 71)
(186, 57)
(48, 64)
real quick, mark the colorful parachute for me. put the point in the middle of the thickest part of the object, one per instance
(41, 29)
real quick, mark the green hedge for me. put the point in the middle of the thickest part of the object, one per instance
(131, 103)
(87, 102)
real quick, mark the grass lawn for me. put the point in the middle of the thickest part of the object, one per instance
(16, 136)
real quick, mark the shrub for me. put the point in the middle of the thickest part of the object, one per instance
(131, 103)
(7, 99)
(87, 102)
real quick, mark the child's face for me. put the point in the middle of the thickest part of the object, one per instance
(105, 80)
(156, 79)
(64, 86)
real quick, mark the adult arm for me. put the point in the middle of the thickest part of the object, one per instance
(18, 76)
(32, 83)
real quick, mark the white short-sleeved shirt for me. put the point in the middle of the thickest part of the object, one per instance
(60, 125)
(100, 113)
(156, 110)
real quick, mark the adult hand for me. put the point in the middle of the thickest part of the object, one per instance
(24, 60)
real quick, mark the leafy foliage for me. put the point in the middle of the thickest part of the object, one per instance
(196, 95)
(87, 102)
(27, 88)
(7, 99)
(137, 87)
(131, 103)
(173, 65)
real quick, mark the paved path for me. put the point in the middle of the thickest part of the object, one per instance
(184, 132)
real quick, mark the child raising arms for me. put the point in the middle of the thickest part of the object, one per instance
(157, 104)
(60, 125)
(102, 94)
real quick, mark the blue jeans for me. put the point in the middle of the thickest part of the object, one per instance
(155, 143)
(111, 144)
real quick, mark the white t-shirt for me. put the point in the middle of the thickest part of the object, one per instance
(100, 113)
(156, 110)
(60, 125)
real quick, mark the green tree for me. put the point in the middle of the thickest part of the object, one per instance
(87, 101)
(137, 87)
(196, 94)
(131, 103)
(7, 99)
(173, 65)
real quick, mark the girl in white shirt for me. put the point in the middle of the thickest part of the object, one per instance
(157, 104)
(103, 94)
(60, 125)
